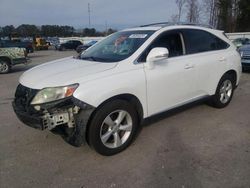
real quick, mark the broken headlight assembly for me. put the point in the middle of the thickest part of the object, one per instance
(51, 94)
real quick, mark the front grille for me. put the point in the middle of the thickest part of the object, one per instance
(23, 97)
(246, 57)
(246, 54)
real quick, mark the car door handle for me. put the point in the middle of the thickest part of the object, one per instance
(189, 66)
(222, 59)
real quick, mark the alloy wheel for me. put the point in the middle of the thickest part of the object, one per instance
(226, 91)
(3, 67)
(116, 129)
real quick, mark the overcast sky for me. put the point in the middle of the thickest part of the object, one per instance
(117, 13)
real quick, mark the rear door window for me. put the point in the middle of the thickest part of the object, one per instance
(198, 41)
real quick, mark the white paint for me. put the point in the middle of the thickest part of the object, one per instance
(171, 82)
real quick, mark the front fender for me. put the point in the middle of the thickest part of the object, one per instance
(132, 82)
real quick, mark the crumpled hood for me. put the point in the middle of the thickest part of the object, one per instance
(63, 72)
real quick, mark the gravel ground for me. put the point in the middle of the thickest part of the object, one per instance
(196, 146)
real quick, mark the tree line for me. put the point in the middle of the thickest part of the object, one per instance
(227, 15)
(27, 30)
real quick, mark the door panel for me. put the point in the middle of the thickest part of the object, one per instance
(209, 57)
(170, 83)
(209, 69)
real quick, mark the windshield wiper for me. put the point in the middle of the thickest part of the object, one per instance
(89, 58)
(97, 59)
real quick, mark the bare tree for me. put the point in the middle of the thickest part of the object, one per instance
(175, 18)
(193, 11)
(235, 13)
(211, 11)
(228, 11)
(221, 14)
(180, 4)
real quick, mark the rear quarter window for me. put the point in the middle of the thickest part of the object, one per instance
(198, 41)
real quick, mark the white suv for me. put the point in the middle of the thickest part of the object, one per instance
(102, 96)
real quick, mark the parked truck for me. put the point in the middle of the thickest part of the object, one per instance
(10, 57)
(41, 44)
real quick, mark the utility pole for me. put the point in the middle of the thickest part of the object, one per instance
(106, 27)
(89, 14)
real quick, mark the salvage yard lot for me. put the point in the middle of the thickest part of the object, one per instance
(195, 146)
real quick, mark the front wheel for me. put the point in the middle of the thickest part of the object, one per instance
(113, 127)
(4, 67)
(224, 92)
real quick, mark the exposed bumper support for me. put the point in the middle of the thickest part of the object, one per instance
(70, 113)
(51, 120)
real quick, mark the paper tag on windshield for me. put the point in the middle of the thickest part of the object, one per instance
(138, 36)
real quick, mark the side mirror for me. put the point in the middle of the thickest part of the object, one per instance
(157, 54)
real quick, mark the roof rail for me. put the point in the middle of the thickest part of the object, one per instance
(155, 24)
(164, 24)
(195, 24)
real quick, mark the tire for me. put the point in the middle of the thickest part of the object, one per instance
(5, 67)
(224, 92)
(113, 127)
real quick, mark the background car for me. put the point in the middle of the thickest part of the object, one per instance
(71, 44)
(11, 56)
(241, 41)
(52, 41)
(19, 44)
(245, 56)
(84, 47)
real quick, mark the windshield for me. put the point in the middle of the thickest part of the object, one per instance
(117, 47)
(92, 43)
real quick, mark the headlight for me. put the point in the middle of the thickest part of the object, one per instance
(54, 93)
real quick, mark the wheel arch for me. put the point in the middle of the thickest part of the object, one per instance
(215, 99)
(233, 73)
(132, 99)
(8, 59)
(215, 82)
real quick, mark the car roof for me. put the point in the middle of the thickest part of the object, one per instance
(170, 25)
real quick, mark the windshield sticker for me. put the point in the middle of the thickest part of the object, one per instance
(138, 36)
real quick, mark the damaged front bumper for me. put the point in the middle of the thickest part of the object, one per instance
(34, 121)
(50, 115)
